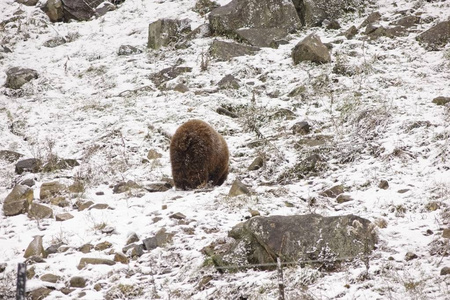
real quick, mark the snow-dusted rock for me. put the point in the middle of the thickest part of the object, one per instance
(18, 200)
(311, 49)
(16, 77)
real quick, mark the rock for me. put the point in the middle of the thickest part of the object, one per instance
(202, 7)
(391, 32)
(333, 192)
(383, 184)
(18, 200)
(284, 114)
(123, 187)
(181, 88)
(168, 74)
(9, 156)
(63, 217)
(31, 272)
(260, 240)
(54, 10)
(28, 2)
(229, 81)
(121, 258)
(39, 293)
(86, 248)
(55, 42)
(238, 188)
(165, 31)
(372, 18)
(60, 164)
(100, 206)
(343, 198)
(262, 37)
(311, 49)
(35, 248)
(132, 238)
(435, 37)
(50, 278)
(225, 20)
(103, 246)
(82, 205)
(54, 248)
(38, 211)
(441, 100)
(77, 282)
(446, 233)
(50, 190)
(159, 240)
(315, 12)
(16, 77)
(410, 256)
(128, 50)
(32, 165)
(28, 182)
(177, 216)
(350, 33)
(3, 267)
(407, 22)
(301, 128)
(445, 271)
(103, 8)
(309, 165)
(381, 223)
(108, 229)
(94, 261)
(257, 164)
(226, 112)
(79, 10)
(333, 25)
(158, 187)
(223, 51)
(137, 251)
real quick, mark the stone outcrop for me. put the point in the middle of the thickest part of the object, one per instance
(261, 240)
(311, 49)
(18, 200)
(435, 37)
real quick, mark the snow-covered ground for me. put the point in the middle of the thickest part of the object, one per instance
(378, 120)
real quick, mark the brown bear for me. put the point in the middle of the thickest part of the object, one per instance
(199, 155)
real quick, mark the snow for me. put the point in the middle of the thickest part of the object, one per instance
(74, 110)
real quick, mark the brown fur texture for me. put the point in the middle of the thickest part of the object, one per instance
(199, 155)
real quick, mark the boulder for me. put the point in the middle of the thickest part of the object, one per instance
(372, 18)
(229, 81)
(238, 188)
(262, 37)
(28, 2)
(63, 217)
(18, 200)
(79, 10)
(314, 12)
(158, 240)
(9, 156)
(128, 50)
(50, 190)
(77, 282)
(16, 77)
(225, 20)
(302, 128)
(165, 31)
(54, 10)
(350, 33)
(441, 100)
(257, 164)
(311, 49)
(32, 165)
(35, 248)
(223, 51)
(39, 293)
(435, 37)
(38, 211)
(311, 238)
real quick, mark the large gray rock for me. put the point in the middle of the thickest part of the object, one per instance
(311, 49)
(16, 77)
(435, 37)
(32, 165)
(223, 51)
(165, 31)
(38, 211)
(28, 2)
(54, 10)
(261, 240)
(254, 14)
(79, 10)
(18, 200)
(9, 156)
(262, 37)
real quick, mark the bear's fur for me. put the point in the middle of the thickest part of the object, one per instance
(199, 155)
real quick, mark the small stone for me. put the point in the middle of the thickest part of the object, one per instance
(226, 112)
(445, 271)
(229, 82)
(380, 222)
(77, 282)
(9, 156)
(238, 188)
(343, 198)
(66, 291)
(84, 205)
(160, 239)
(433, 206)
(32, 165)
(350, 33)
(108, 229)
(94, 261)
(38, 211)
(333, 192)
(334, 25)
(137, 251)
(181, 88)
(63, 217)
(257, 163)
(28, 182)
(441, 100)
(3, 267)
(52, 249)
(86, 248)
(121, 258)
(39, 293)
(50, 278)
(163, 207)
(55, 42)
(132, 238)
(410, 256)
(402, 191)
(99, 193)
(102, 246)
(158, 187)
(35, 248)
(383, 184)
(289, 204)
(254, 213)
(177, 216)
(128, 50)
(153, 154)
(100, 206)
(446, 233)
(123, 187)
(301, 128)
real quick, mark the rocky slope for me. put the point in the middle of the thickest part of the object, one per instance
(338, 110)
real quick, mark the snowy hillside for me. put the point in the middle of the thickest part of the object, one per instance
(372, 121)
